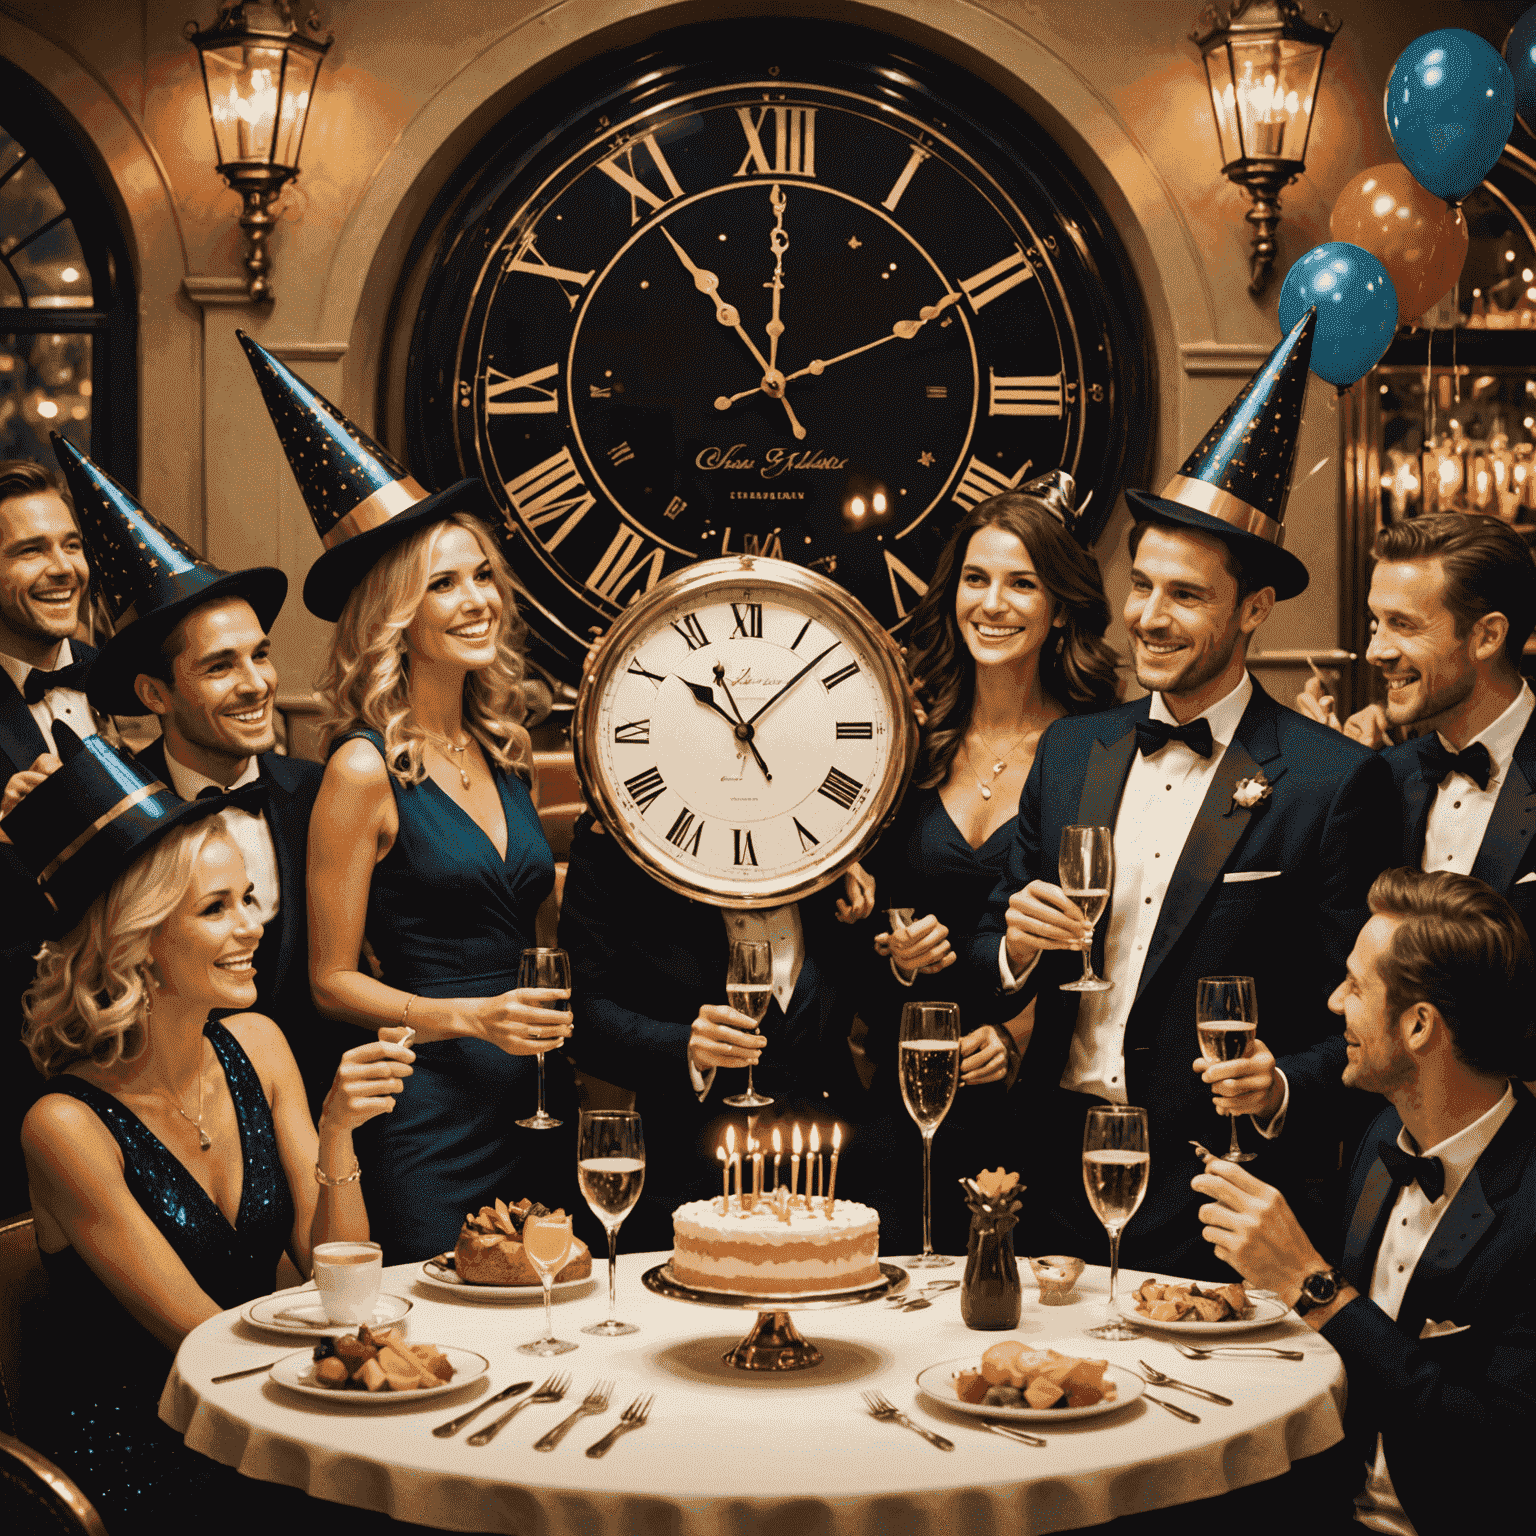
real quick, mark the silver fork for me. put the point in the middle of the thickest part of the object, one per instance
(551, 1392)
(596, 1401)
(1190, 1352)
(632, 1418)
(883, 1408)
(1155, 1378)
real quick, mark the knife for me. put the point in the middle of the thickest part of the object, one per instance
(453, 1426)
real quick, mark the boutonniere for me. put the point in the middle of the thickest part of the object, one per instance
(1248, 792)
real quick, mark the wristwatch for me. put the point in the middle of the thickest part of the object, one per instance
(1318, 1289)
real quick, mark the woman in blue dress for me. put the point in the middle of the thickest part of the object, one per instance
(425, 841)
(1008, 638)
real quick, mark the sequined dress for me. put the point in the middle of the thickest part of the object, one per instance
(100, 1373)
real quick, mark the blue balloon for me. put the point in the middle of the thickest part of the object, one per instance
(1450, 108)
(1356, 309)
(1520, 55)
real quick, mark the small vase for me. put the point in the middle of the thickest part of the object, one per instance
(990, 1295)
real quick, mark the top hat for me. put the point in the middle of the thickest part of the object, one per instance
(362, 501)
(150, 579)
(90, 820)
(1235, 484)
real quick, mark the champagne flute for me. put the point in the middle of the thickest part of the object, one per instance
(1086, 865)
(1226, 1021)
(547, 1242)
(545, 968)
(610, 1167)
(748, 989)
(929, 1061)
(1116, 1164)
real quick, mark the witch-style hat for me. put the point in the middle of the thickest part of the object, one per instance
(150, 579)
(92, 818)
(362, 501)
(1235, 484)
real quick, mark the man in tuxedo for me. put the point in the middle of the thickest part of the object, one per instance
(1245, 839)
(1432, 1305)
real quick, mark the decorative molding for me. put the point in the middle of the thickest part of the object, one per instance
(1222, 359)
(307, 351)
(216, 292)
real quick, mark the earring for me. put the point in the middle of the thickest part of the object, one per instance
(1061, 641)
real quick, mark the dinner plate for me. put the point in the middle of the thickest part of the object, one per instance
(296, 1372)
(300, 1312)
(1267, 1311)
(441, 1278)
(938, 1382)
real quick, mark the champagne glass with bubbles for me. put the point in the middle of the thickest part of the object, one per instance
(545, 968)
(610, 1167)
(1116, 1165)
(929, 1062)
(1226, 1021)
(749, 989)
(1086, 866)
(547, 1242)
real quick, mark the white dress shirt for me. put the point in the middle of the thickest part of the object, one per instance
(250, 833)
(66, 704)
(1459, 817)
(1410, 1226)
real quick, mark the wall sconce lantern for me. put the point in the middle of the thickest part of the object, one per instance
(1263, 60)
(259, 72)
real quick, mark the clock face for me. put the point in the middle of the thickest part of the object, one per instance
(745, 732)
(770, 290)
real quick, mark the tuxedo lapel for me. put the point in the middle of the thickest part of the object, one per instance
(1099, 804)
(290, 864)
(20, 739)
(1366, 1223)
(1513, 822)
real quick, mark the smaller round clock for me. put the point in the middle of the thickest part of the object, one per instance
(744, 730)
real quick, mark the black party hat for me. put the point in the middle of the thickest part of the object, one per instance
(89, 820)
(1236, 483)
(361, 500)
(149, 578)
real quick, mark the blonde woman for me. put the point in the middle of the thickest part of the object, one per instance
(425, 841)
(171, 1159)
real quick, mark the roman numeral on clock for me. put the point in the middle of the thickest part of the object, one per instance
(1025, 394)
(645, 788)
(634, 733)
(539, 401)
(749, 621)
(629, 178)
(794, 141)
(980, 481)
(839, 788)
(623, 562)
(840, 676)
(994, 281)
(745, 852)
(808, 839)
(914, 159)
(855, 730)
(637, 669)
(691, 631)
(524, 257)
(893, 569)
(552, 492)
(679, 832)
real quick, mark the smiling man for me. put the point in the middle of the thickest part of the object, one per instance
(1245, 839)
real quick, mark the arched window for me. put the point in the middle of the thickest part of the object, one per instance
(66, 291)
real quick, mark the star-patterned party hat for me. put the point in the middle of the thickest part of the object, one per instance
(151, 580)
(1236, 483)
(361, 500)
(90, 819)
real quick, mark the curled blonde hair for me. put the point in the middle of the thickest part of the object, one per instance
(366, 679)
(89, 1001)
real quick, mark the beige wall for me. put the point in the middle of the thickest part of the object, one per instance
(411, 84)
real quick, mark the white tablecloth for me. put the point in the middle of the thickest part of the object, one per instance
(737, 1453)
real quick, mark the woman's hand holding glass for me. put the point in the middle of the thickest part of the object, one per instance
(521, 1022)
(723, 1037)
(366, 1083)
(983, 1056)
(922, 946)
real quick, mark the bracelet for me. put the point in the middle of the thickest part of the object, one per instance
(351, 1178)
(410, 998)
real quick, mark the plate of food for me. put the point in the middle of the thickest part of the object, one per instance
(376, 1366)
(299, 1311)
(1030, 1384)
(488, 1262)
(441, 1275)
(1185, 1306)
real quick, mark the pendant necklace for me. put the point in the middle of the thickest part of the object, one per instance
(204, 1140)
(442, 742)
(998, 766)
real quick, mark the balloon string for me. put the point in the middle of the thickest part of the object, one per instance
(1455, 376)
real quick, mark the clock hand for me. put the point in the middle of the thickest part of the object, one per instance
(903, 330)
(778, 243)
(743, 731)
(791, 683)
(706, 695)
(729, 316)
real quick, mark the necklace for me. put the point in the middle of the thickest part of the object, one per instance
(998, 766)
(204, 1140)
(443, 743)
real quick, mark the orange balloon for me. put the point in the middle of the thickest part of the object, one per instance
(1419, 238)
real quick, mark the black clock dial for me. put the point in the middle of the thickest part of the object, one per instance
(795, 308)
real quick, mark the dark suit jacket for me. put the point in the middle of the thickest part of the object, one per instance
(282, 960)
(1327, 829)
(21, 742)
(1508, 850)
(1456, 1413)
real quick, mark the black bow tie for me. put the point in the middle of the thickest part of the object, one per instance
(209, 792)
(1427, 1172)
(1153, 735)
(39, 683)
(1437, 762)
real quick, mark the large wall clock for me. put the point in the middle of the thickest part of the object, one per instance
(777, 288)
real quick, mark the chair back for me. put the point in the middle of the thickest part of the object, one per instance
(23, 1283)
(36, 1497)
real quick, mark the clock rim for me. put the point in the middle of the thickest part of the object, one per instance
(705, 577)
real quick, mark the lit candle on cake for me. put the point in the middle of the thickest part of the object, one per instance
(837, 1142)
(778, 1157)
(735, 1157)
(725, 1181)
(794, 1162)
(813, 1160)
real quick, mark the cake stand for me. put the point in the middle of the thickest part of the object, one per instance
(773, 1343)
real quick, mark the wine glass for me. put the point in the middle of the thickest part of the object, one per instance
(610, 1167)
(545, 968)
(748, 989)
(547, 1242)
(929, 1061)
(1226, 1021)
(1086, 865)
(1116, 1164)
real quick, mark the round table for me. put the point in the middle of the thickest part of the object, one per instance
(733, 1453)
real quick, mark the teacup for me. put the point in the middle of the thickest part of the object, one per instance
(347, 1276)
(1056, 1274)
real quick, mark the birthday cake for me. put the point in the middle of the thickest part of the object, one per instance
(775, 1247)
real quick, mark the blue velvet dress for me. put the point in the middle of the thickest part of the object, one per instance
(99, 1373)
(450, 917)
